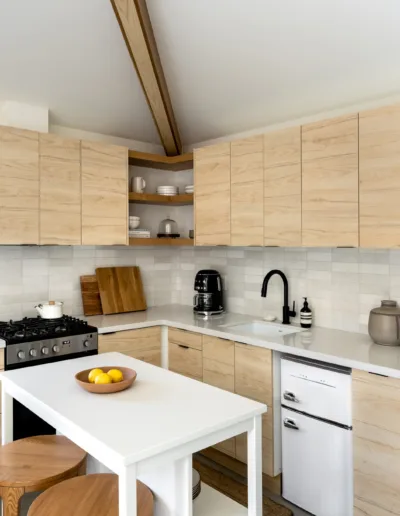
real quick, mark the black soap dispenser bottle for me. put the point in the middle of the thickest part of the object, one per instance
(305, 315)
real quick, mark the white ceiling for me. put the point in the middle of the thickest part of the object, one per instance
(236, 65)
(231, 65)
(69, 56)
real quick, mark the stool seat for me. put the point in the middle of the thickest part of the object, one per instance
(35, 462)
(88, 495)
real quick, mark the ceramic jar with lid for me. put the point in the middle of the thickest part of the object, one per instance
(384, 324)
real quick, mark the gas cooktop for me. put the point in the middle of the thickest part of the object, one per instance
(31, 329)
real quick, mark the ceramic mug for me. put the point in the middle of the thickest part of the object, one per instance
(138, 184)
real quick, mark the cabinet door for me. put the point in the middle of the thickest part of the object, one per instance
(253, 379)
(376, 444)
(60, 190)
(247, 225)
(19, 186)
(143, 344)
(218, 370)
(330, 183)
(379, 177)
(282, 188)
(186, 361)
(212, 204)
(104, 194)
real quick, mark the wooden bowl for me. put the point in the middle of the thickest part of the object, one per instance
(107, 388)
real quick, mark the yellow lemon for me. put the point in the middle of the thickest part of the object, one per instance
(103, 378)
(93, 373)
(116, 375)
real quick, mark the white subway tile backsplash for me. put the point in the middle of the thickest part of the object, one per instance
(374, 268)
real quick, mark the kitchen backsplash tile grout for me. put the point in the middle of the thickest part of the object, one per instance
(342, 284)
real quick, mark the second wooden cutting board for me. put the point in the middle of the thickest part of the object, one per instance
(121, 289)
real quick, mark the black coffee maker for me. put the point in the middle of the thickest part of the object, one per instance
(209, 299)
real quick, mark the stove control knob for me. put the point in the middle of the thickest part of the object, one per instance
(45, 351)
(56, 348)
(86, 343)
(33, 352)
(21, 355)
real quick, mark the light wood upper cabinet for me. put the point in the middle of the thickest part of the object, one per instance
(212, 204)
(19, 186)
(282, 188)
(247, 192)
(376, 444)
(104, 194)
(330, 183)
(60, 190)
(380, 177)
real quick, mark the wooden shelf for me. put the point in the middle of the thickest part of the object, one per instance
(147, 198)
(172, 163)
(162, 241)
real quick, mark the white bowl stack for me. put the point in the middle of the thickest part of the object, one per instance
(167, 190)
(189, 189)
(133, 222)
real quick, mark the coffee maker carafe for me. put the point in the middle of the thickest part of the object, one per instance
(209, 297)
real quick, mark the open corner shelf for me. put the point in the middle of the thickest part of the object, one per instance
(162, 242)
(148, 198)
(171, 163)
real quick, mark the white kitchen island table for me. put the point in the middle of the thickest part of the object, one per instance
(148, 432)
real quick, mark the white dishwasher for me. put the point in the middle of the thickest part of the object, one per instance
(317, 462)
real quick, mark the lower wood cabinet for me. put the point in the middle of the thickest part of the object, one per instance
(143, 344)
(219, 370)
(185, 354)
(376, 444)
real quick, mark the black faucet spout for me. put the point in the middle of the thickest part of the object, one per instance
(286, 312)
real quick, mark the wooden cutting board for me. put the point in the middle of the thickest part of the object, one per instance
(121, 289)
(90, 296)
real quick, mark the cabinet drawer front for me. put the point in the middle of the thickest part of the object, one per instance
(253, 372)
(228, 447)
(151, 356)
(220, 350)
(186, 338)
(186, 361)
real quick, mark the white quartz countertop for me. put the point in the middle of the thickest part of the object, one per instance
(354, 350)
(161, 411)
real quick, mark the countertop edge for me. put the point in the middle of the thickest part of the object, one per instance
(274, 346)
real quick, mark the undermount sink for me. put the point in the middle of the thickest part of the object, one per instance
(264, 329)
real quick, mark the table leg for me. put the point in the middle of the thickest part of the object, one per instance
(254, 468)
(171, 486)
(127, 491)
(7, 416)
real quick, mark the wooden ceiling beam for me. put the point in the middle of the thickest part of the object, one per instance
(135, 24)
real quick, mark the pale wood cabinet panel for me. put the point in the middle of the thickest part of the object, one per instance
(219, 371)
(247, 200)
(60, 190)
(212, 203)
(282, 188)
(186, 361)
(330, 183)
(187, 338)
(254, 379)
(104, 194)
(143, 344)
(19, 186)
(376, 444)
(379, 177)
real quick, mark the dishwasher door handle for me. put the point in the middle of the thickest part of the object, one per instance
(290, 423)
(290, 396)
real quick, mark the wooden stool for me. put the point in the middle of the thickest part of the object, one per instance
(35, 464)
(88, 495)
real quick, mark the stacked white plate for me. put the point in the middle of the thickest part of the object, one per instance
(167, 190)
(189, 189)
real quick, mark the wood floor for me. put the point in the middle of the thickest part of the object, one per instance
(233, 485)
